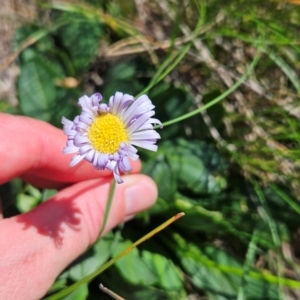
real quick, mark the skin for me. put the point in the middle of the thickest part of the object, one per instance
(37, 246)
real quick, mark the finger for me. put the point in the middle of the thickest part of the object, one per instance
(37, 246)
(34, 148)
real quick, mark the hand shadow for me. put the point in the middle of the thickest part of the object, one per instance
(50, 217)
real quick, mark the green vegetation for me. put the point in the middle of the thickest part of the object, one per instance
(232, 165)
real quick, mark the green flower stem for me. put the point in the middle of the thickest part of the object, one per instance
(218, 99)
(108, 205)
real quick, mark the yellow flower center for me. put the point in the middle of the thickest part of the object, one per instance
(106, 133)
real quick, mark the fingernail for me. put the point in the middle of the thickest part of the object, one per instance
(140, 195)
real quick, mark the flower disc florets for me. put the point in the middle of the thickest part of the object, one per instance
(105, 134)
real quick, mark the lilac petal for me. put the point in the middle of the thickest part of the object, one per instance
(95, 160)
(96, 98)
(136, 115)
(89, 112)
(85, 148)
(69, 131)
(145, 145)
(80, 139)
(139, 122)
(128, 150)
(76, 159)
(85, 119)
(144, 135)
(66, 121)
(90, 156)
(83, 126)
(146, 126)
(126, 103)
(103, 160)
(84, 101)
(70, 142)
(116, 156)
(132, 113)
(132, 149)
(133, 156)
(70, 149)
(126, 100)
(76, 120)
(140, 110)
(142, 101)
(117, 175)
(116, 102)
(125, 165)
(111, 102)
(68, 126)
(156, 121)
(103, 108)
(111, 165)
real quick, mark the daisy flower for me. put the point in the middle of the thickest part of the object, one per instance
(105, 134)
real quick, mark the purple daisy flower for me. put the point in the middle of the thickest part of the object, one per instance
(105, 134)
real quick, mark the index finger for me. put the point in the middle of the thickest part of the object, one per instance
(34, 148)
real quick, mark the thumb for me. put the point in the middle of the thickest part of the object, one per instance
(38, 245)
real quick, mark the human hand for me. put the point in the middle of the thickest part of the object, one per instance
(37, 246)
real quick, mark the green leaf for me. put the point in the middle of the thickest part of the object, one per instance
(203, 219)
(28, 199)
(80, 293)
(198, 166)
(93, 258)
(219, 273)
(161, 206)
(59, 284)
(147, 269)
(132, 267)
(80, 39)
(122, 77)
(36, 90)
(26, 203)
(169, 277)
(160, 171)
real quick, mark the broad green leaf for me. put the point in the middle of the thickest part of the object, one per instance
(26, 203)
(43, 41)
(28, 198)
(146, 268)
(160, 170)
(122, 77)
(197, 165)
(132, 267)
(33, 191)
(93, 258)
(169, 277)
(122, 71)
(36, 90)
(80, 38)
